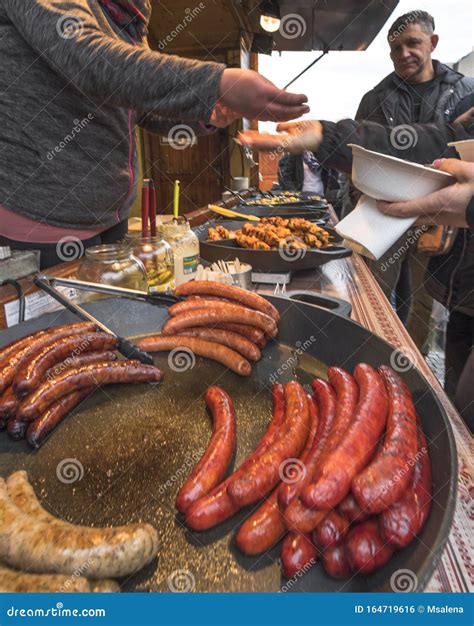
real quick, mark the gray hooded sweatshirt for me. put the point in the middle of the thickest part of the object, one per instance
(72, 87)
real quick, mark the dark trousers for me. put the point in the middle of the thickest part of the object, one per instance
(459, 345)
(51, 254)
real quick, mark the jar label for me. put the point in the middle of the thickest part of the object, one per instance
(190, 264)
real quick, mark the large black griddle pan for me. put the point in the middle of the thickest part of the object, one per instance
(309, 211)
(268, 260)
(136, 445)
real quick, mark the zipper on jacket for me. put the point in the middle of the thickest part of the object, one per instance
(455, 270)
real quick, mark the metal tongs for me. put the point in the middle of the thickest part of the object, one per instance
(126, 348)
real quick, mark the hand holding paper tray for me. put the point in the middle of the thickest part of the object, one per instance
(382, 177)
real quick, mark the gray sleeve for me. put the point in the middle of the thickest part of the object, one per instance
(111, 71)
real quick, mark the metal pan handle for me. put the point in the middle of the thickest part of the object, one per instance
(336, 305)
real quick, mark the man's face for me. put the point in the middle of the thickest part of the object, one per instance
(410, 51)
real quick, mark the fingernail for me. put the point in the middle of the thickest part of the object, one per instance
(438, 162)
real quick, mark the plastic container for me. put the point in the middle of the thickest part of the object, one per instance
(113, 265)
(185, 247)
(157, 257)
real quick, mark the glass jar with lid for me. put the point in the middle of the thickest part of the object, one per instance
(157, 257)
(185, 246)
(114, 265)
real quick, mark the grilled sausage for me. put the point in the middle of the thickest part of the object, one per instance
(214, 351)
(30, 376)
(404, 520)
(331, 531)
(232, 313)
(12, 581)
(263, 529)
(8, 405)
(266, 526)
(104, 586)
(226, 338)
(335, 562)
(326, 401)
(255, 335)
(386, 478)
(217, 506)
(230, 292)
(16, 429)
(298, 554)
(91, 375)
(298, 516)
(366, 550)
(350, 509)
(40, 428)
(338, 469)
(28, 347)
(41, 543)
(213, 465)
(264, 474)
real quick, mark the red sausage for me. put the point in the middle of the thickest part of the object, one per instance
(42, 426)
(84, 359)
(221, 314)
(326, 401)
(264, 474)
(298, 554)
(213, 465)
(386, 478)
(350, 509)
(214, 351)
(19, 353)
(91, 375)
(226, 338)
(335, 562)
(16, 429)
(216, 506)
(366, 550)
(357, 446)
(331, 531)
(230, 292)
(266, 525)
(404, 520)
(32, 373)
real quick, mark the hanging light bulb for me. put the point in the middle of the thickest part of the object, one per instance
(270, 18)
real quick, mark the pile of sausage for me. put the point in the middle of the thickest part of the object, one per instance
(45, 375)
(220, 322)
(42, 553)
(344, 473)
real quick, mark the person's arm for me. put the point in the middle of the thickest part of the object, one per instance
(113, 72)
(286, 173)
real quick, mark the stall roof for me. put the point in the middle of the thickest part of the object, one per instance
(205, 28)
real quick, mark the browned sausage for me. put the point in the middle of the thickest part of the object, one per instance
(326, 401)
(8, 405)
(351, 510)
(264, 475)
(386, 478)
(404, 520)
(366, 550)
(335, 562)
(12, 581)
(255, 335)
(216, 506)
(92, 375)
(214, 351)
(28, 347)
(230, 292)
(76, 361)
(331, 531)
(32, 373)
(213, 464)
(358, 444)
(298, 554)
(266, 526)
(226, 338)
(233, 313)
(16, 429)
(42, 426)
(297, 516)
